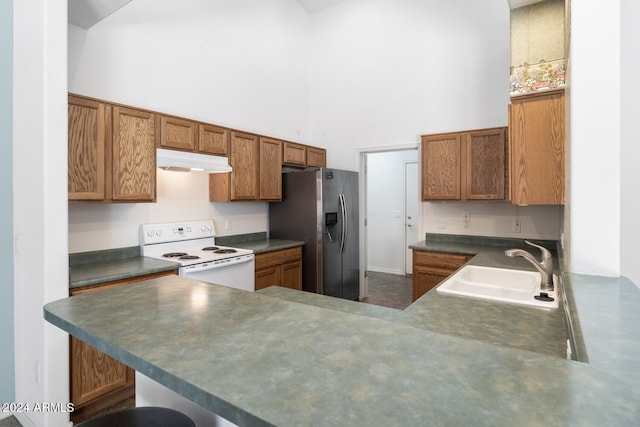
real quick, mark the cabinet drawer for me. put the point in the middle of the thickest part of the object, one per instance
(269, 259)
(439, 259)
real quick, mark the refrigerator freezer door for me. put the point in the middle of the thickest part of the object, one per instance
(333, 235)
(351, 253)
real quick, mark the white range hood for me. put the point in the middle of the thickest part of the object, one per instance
(182, 160)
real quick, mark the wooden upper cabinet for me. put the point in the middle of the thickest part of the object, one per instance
(441, 167)
(316, 157)
(111, 152)
(213, 140)
(536, 144)
(134, 155)
(485, 164)
(270, 169)
(467, 165)
(244, 160)
(177, 133)
(294, 154)
(89, 132)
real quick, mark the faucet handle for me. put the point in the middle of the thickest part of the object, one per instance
(546, 255)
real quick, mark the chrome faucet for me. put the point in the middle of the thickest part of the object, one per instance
(545, 267)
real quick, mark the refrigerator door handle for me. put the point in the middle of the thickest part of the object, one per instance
(345, 225)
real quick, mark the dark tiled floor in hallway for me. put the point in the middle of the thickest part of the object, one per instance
(389, 290)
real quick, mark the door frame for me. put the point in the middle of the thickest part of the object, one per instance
(419, 219)
(360, 167)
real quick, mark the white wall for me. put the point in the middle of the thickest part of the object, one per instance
(241, 64)
(630, 149)
(236, 63)
(364, 73)
(180, 197)
(40, 207)
(384, 72)
(7, 359)
(493, 219)
(593, 220)
(385, 210)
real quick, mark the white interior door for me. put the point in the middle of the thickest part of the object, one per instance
(412, 206)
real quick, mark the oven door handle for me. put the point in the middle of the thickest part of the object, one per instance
(212, 265)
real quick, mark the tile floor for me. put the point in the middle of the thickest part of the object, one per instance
(389, 290)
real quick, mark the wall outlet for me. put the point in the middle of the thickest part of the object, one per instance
(467, 216)
(227, 224)
(516, 226)
(441, 224)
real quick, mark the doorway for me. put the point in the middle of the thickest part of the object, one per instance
(391, 217)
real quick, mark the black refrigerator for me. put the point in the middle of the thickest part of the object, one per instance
(320, 207)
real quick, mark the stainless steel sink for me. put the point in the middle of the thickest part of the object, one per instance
(499, 284)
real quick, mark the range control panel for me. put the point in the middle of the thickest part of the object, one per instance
(175, 232)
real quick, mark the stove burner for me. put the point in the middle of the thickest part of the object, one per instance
(185, 256)
(225, 251)
(174, 254)
(210, 248)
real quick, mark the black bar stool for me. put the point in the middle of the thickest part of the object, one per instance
(144, 416)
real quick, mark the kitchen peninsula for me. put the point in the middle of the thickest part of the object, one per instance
(266, 359)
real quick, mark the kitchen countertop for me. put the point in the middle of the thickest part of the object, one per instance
(90, 268)
(267, 245)
(264, 358)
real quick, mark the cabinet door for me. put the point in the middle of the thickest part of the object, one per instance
(431, 268)
(89, 134)
(270, 169)
(485, 165)
(267, 277)
(213, 140)
(426, 278)
(536, 142)
(316, 157)
(291, 275)
(294, 154)
(134, 155)
(93, 373)
(98, 381)
(441, 167)
(177, 133)
(244, 160)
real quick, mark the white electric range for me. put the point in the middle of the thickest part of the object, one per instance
(192, 244)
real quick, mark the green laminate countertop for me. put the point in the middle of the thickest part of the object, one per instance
(267, 245)
(503, 324)
(259, 359)
(116, 269)
(90, 268)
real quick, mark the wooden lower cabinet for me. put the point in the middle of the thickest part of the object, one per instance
(431, 268)
(98, 381)
(279, 268)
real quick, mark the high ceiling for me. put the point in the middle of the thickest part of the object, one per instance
(313, 6)
(86, 13)
(514, 4)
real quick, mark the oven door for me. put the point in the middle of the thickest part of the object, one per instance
(238, 273)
